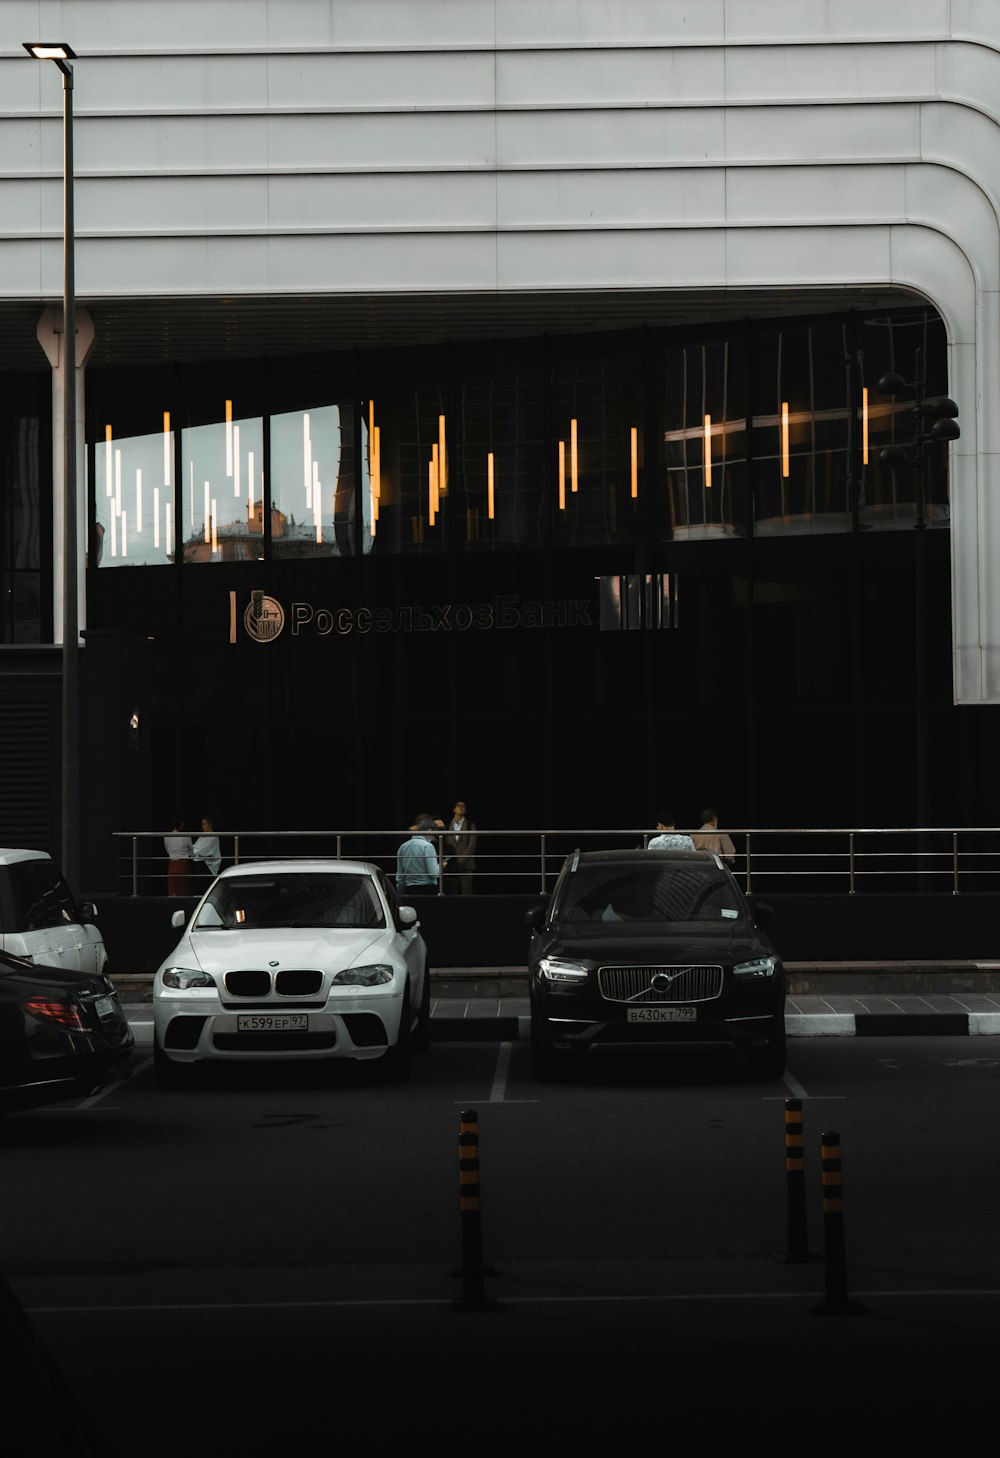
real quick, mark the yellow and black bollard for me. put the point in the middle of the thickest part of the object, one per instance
(834, 1249)
(795, 1186)
(472, 1270)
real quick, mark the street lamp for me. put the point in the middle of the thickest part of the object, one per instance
(61, 54)
(935, 422)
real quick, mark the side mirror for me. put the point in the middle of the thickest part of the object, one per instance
(408, 915)
(535, 916)
(178, 919)
(88, 912)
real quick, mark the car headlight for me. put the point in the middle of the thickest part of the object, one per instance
(759, 967)
(557, 969)
(184, 978)
(365, 976)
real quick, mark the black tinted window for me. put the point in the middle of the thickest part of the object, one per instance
(295, 898)
(37, 898)
(685, 891)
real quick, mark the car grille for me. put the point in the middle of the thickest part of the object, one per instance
(686, 984)
(289, 982)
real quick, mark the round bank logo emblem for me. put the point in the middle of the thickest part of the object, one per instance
(264, 618)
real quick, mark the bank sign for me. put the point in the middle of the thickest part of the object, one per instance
(623, 602)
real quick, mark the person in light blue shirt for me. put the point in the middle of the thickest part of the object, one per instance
(669, 838)
(417, 868)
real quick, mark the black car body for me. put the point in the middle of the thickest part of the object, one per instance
(652, 948)
(63, 1034)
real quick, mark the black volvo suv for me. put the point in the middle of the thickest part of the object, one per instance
(650, 947)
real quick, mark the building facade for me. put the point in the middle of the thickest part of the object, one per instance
(481, 399)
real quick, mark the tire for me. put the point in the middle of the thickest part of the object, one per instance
(769, 1061)
(169, 1074)
(421, 1040)
(395, 1061)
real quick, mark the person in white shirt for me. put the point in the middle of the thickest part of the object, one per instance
(669, 838)
(207, 849)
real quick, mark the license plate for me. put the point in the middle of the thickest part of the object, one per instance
(272, 1023)
(662, 1014)
(105, 1007)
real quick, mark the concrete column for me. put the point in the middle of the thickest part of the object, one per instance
(50, 337)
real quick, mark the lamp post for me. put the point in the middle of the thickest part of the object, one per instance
(935, 421)
(61, 54)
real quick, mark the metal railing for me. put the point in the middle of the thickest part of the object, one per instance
(949, 860)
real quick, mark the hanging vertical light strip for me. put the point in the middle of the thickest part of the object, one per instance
(864, 425)
(110, 490)
(156, 518)
(573, 459)
(229, 437)
(251, 497)
(784, 438)
(168, 528)
(114, 528)
(376, 473)
(138, 500)
(436, 478)
(208, 512)
(442, 459)
(215, 529)
(635, 461)
(562, 475)
(490, 485)
(306, 455)
(317, 497)
(191, 491)
(236, 460)
(708, 451)
(431, 464)
(166, 448)
(118, 480)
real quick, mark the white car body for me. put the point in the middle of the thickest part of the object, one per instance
(40, 918)
(235, 991)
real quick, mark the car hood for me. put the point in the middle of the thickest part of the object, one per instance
(230, 951)
(681, 944)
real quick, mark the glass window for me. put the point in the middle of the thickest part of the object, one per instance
(597, 425)
(911, 344)
(134, 498)
(406, 470)
(221, 490)
(702, 469)
(500, 452)
(801, 428)
(312, 482)
(41, 897)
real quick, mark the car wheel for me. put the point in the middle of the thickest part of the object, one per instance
(395, 1061)
(169, 1074)
(421, 1039)
(769, 1061)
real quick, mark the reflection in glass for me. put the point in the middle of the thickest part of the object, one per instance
(703, 452)
(312, 482)
(222, 485)
(596, 449)
(134, 499)
(801, 424)
(406, 437)
(500, 468)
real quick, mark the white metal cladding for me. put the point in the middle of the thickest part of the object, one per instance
(498, 148)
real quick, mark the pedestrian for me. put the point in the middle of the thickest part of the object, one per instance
(461, 843)
(179, 863)
(669, 838)
(417, 867)
(711, 838)
(207, 849)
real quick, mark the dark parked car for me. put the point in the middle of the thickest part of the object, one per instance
(650, 948)
(63, 1034)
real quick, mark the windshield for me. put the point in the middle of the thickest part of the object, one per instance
(653, 893)
(291, 899)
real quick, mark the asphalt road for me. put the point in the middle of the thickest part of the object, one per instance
(278, 1262)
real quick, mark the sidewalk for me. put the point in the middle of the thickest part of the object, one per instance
(826, 999)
